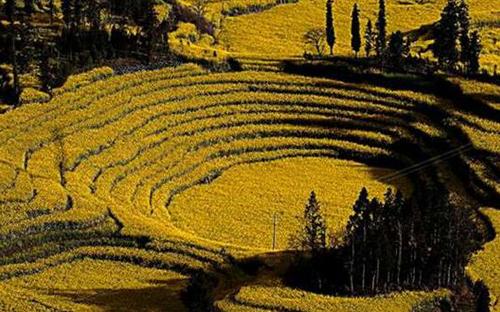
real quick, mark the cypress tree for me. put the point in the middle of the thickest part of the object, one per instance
(355, 32)
(381, 26)
(330, 29)
(369, 38)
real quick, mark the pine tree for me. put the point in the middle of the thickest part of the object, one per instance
(314, 226)
(330, 28)
(369, 38)
(355, 32)
(397, 49)
(474, 53)
(381, 26)
(446, 35)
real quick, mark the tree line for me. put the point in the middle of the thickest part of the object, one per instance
(423, 241)
(455, 46)
(80, 38)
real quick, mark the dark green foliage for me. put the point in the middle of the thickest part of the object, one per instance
(199, 294)
(29, 7)
(397, 50)
(355, 30)
(381, 26)
(67, 11)
(148, 24)
(52, 10)
(10, 10)
(473, 53)
(369, 38)
(453, 40)
(464, 20)
(422, 242)
(482, 296)
(312, 235)
(446, 35)
(330, 28)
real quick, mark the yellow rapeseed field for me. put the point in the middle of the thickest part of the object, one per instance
(278, 32)
(485, 264)
(244, 206)
(125, 185)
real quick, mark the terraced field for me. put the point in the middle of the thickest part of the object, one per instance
(278, 33)
(129, 176)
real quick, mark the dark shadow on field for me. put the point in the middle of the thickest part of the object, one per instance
(488, 97)
(161, 296)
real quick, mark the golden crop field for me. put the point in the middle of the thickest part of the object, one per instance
(275, 297)
(121, 187)
(239, 195)
(277, 33)
(484, 265)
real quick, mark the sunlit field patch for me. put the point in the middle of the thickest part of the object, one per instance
(99, 285)
(279, 31)
(238, 207)
(283, 298)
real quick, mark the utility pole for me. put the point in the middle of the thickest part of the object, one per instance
(275, 223)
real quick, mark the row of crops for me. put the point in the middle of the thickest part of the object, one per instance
(92, 173)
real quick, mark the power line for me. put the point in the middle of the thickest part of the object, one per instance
(426, 163)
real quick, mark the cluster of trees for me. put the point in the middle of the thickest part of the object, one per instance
(454, 42)
(80, 39)
(421, 242)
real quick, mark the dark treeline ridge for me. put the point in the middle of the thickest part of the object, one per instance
(254, 8)
(52, 46)
(421, 242)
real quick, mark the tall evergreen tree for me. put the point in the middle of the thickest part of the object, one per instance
(381, 26)
(446, 35)
(369, 38)
(314, 226)
(355, 30)
(330, 28)
(474, 53)
(397, 49)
